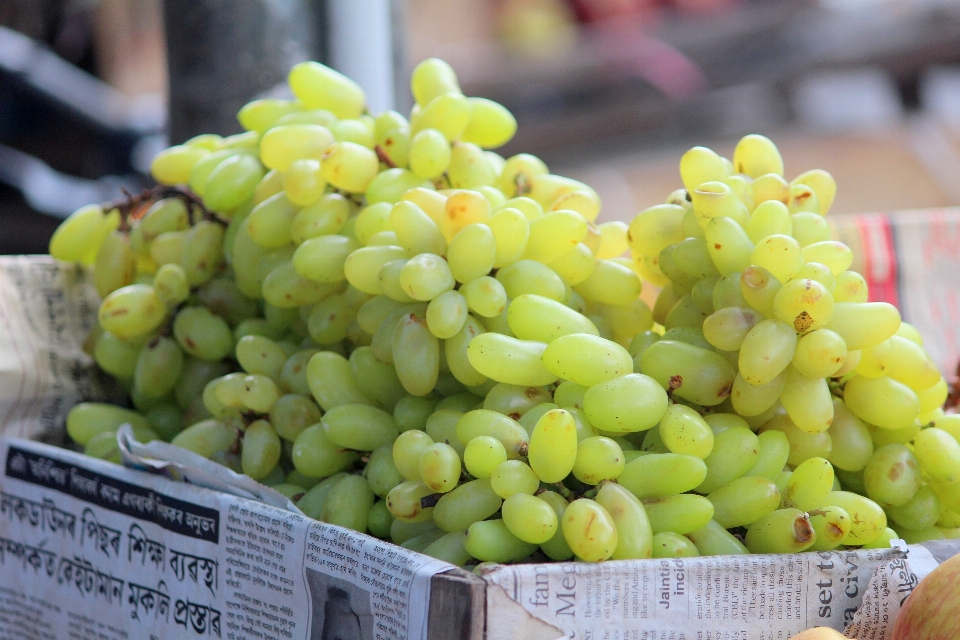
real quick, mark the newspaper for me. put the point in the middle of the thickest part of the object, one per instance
(93, 551)
(750, 597)
(47, 309)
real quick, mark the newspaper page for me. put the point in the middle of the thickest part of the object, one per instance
(750, 597)
(94, 551)
(47, 309)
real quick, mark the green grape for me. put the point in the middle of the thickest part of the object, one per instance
(864, 324)
(87, 419)
(166, 419)
(634, 533)
(610, 283)
(359, 427)
(809, 484)
(379, 519)
(425, 276)
(431, 78)
(456, 350)
(246, 260)
(571, 395)
(586, 359)
(258, 393)
(513, 476)
(302, 183)
(756, 155)
(328, 375)
(115, 264)
(727, 327)
(462, 402)
(682, 513)
(507, 359)
(406, 452)
(735, 451)
(728, 245)
(401, 531)
(439, 467)
(685, 314)
(416, 355)
(449, 548)
(173, 165)
(270, 185)
(324, 217)
(429, 153)
(469, 167)
(911, 365)
(260, 115)
(683, 431)
(202, 334)
(704, 377)
(920, 512)
(283, 145)
(390, 185)
(770, 217)
(468, 503)
(77, 238)
(491, 541)
(258, 354)
(702, 294)
(853, 445)
(806, 305)
(442, 427)
(159, 366)
(329, 319)
(482, 455)
(715, 199)
(513, 400)
(883, 402)
(766, 351)
(892, 476)
(311, 503)
(598, 458)
(819, 354)
(283, 287)
(831, 525)
(381, 473)
(629, 403)
(753, 400)
(529, 276)
(353, 130)
(320, 87)
(818, 272)
(349, 166)
(362, 266)
(553, 446)
(232, 182)
(850, 287)
(261, 449)
(206, 438)
(490, 125)
(104, 447)
(416, 231)
(803, 445)
(196, 374)
(529, 420)
(836, 256)
(939, 454)
(774, 451)
(131, 311)
(483, 422)
(759, 287)
(291, 414)
(743, 501)
(446, 113)
(667, 544)
(511, 230)
(660, 475)
(868, 521)
(376, 379)
(713, 540)
(116, 356)
(640, 342)
(171, 285)
(293, 376)
(613, 239)
(404, 502)
(783, 531)
(460, 209)
(485, 296)
(553, 233)
(529, 518)
(348, 503)
(589, 530)
(412, 412)
(808, 402)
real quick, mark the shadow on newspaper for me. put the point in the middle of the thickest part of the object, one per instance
(341, 610)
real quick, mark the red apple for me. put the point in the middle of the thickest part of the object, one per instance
(932, 611)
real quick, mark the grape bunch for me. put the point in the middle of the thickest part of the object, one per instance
(414, 337)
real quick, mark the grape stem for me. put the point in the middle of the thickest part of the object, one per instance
(563, 490)
(675, 383)
(130, 206)
(384, 158)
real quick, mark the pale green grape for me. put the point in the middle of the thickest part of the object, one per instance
(425, 276)
(529, 276)
(171, 285)
(613, 239)
(774, 451)
(807, 401)
(482, 455)
(456, 350)
(743, 501)
(376, 379)
(589, 530)
(598, 458)
(850, 287)
(258, 354)
(324, 217)
(634, 533)
(513, 476)
(713, 540)
(206, 438)
(490, 125)
(232, 182)
(883, 437)
(759, 289)
(293, 376)
(439, 467)
(416, 355)
(115, 264)
(781, 255)
(283, 287)
(586, 359)
(728, 245)
(359, 427)
(704, 377)
(87, 419)
(892, 476)
(868, 521)
(715, 199)
(511, 230)
(864, 324)
(571, 395)
(470, 502)
(261, 449)
(685, 313)
(920, 512)
(819, 354)
(202, 334)
(702, 294)
(662, 474)
(682, 430)
(159, 365)
(883, 402)
(806, 305)
(173, 165)
(534, 317)
(349, 166)
(303, 183)
(315, 456)
(727, 327)
(291, 414)
(911, 365)
(753, 400)
(258, 393)
(491, 541)
(329, 319)
(131, 311)
(507, 359)
(629, 403)
(483, 422)
(379, 519)
(311, 503)
(320, 87)
(854, 447)
(485, 296)
(463, 402)
(735, 451)
(938, 453)
(769, 218)
(514, 400)
(610, 283)
(553, 446)
(406, 452)
(783, 531)
(756, 155)
(809, 484)
(416, 231)
(469, 167)
(682, 513)
(667, 544)
(766, 351)
(803, 445)
(529, 518)
(429, 153)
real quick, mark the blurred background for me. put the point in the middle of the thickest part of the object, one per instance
(607, 91)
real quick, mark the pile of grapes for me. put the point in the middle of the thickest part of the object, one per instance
(411, 336)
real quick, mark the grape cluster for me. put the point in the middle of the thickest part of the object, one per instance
(411, 336)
